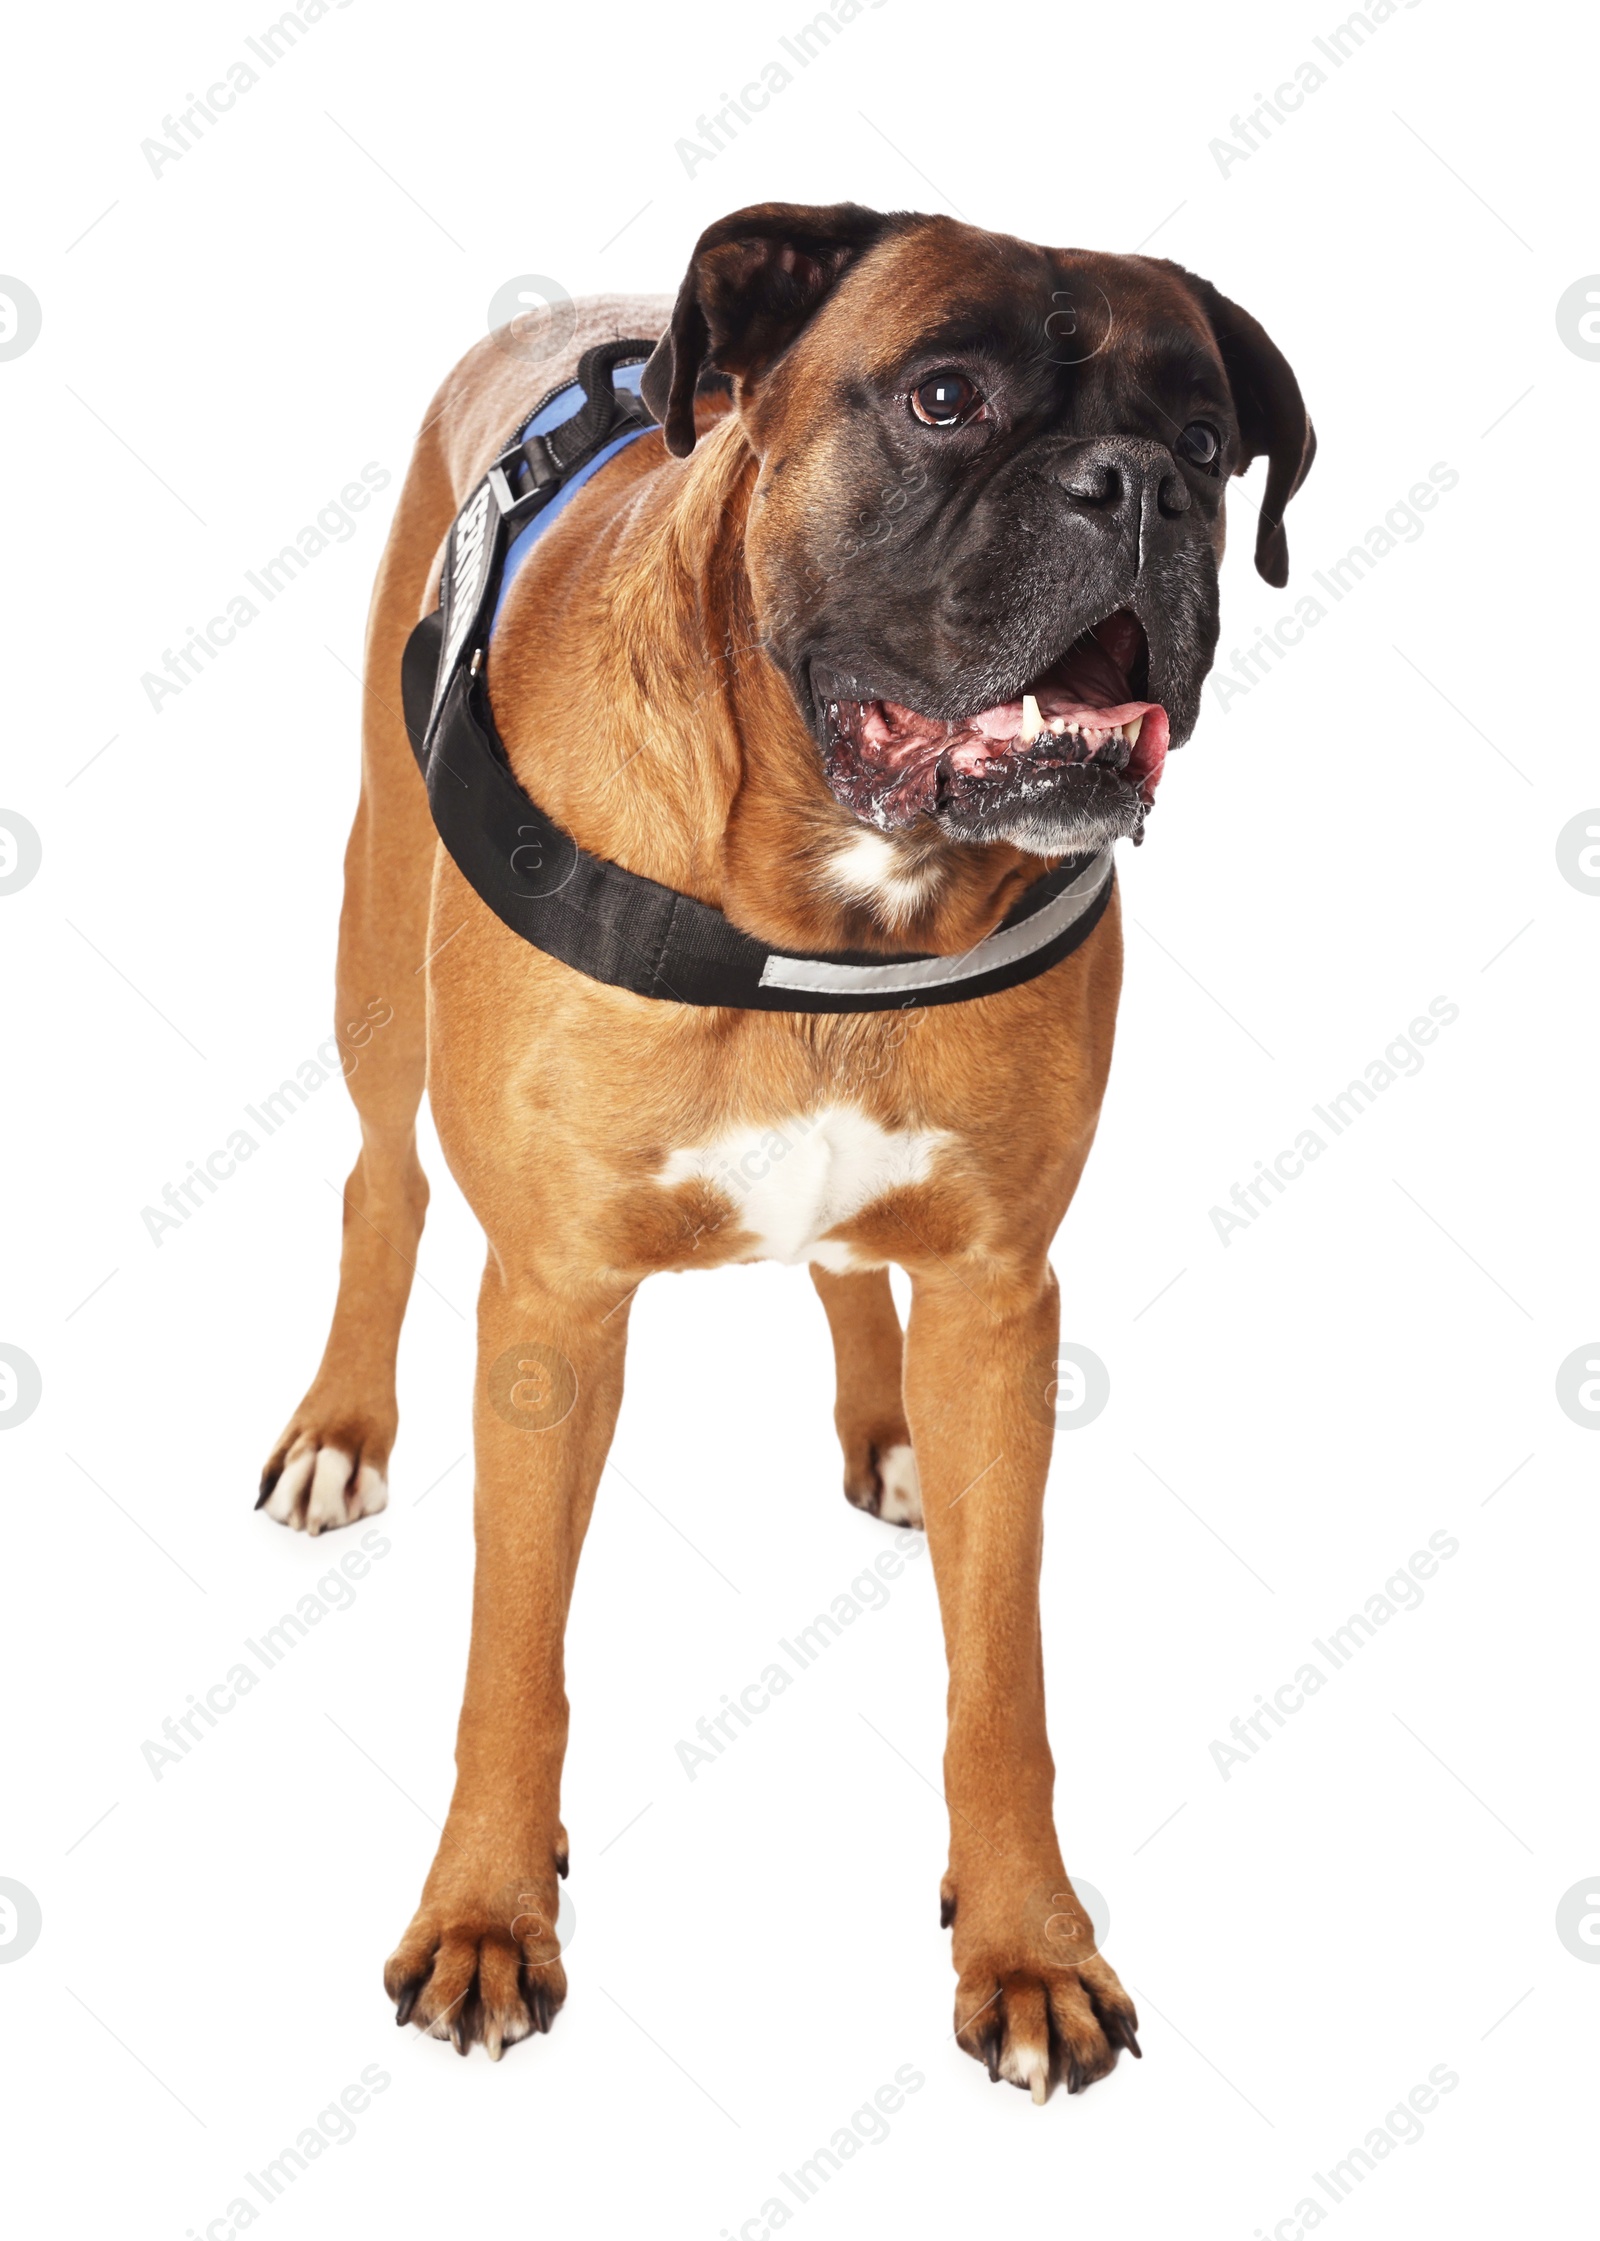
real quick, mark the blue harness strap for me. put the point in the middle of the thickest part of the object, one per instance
(557, 412)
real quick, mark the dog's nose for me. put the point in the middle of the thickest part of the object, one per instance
(1126, 479)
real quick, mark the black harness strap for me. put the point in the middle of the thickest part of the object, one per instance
(605, 922)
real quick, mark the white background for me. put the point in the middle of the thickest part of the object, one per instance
(1374, 826)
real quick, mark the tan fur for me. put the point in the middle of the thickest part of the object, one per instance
(637, 710)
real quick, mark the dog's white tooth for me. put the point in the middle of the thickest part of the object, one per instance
(1057, 724)
(1032, 721)
(1041, 2086)
(1130, 732)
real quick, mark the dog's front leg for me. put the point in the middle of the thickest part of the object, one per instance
(1033, 1998)
(480, 1959)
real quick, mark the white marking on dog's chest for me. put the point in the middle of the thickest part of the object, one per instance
(870, 869)
(792, 1182)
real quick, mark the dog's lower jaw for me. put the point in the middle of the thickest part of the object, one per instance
(1054, 826)
(1046, 810)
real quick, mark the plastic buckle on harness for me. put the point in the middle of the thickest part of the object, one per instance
(524, 478)
(530, 458)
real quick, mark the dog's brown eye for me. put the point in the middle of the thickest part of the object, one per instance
(1200, 444)
(944, 400)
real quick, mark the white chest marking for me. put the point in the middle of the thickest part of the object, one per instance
(869, 869)
(792, 1182)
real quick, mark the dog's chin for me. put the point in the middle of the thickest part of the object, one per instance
(1066, 765)
(1070, 812)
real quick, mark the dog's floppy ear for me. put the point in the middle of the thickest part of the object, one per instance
(1272, 417)
(754, 280)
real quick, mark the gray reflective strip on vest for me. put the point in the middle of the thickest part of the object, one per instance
(996, 950)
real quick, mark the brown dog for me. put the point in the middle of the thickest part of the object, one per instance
(900, 608)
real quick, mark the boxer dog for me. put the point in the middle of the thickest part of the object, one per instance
(905, 601)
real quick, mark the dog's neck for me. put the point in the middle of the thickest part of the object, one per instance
(702, 774)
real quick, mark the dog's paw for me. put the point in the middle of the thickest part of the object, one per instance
(314, 1484)
(1036, 2000)
(1032, 2025)
(486, 1978)
(901, 1502)
(886, 1485)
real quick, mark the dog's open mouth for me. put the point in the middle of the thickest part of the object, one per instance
(1080, 729)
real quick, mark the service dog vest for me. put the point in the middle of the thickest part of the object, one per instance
(600, 919)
